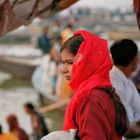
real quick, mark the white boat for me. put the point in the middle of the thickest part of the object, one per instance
(19, 63)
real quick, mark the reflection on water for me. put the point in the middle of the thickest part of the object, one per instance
(13, 94)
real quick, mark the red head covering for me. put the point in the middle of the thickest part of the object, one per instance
(91, 68)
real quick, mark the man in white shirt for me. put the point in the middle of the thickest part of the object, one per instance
(125, 57)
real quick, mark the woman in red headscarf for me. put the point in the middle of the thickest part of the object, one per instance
(95, 109)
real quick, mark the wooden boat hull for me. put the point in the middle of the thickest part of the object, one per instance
(18, 66)
(117, 35)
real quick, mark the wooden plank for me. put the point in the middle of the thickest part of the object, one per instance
(53, 106)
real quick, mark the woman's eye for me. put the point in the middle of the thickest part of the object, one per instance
(67, 62)
(70, 62)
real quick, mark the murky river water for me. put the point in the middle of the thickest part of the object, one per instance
(13, 94)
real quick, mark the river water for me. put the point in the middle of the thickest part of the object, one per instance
(13, 94)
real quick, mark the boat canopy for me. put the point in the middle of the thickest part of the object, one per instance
(14, 13)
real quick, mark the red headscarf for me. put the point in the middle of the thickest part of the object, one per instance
(90, 69)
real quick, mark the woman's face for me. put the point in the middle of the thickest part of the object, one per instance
(67, 60)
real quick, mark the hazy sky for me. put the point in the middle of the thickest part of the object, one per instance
(125, 4)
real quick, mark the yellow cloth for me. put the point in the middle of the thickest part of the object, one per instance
(66, 91)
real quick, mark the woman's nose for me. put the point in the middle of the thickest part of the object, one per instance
(64, 69)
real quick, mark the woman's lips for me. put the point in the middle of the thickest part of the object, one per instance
(67, 77)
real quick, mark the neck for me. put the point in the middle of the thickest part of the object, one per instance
(125, 70)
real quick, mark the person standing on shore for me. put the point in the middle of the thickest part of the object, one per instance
(39, 126)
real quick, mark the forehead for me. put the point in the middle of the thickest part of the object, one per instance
(65, 55)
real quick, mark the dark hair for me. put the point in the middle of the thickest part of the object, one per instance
(29, 105)
(121, 115)
(123, 52)
(73, 44)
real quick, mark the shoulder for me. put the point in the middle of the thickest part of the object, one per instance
(114, 73)
(95, 93)
(96, 103)
(96, 96)
(118, 79)
(100, 96)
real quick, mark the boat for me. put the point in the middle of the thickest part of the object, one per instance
(20, 64)
(120, 34)
(20, 67)
(12, 15)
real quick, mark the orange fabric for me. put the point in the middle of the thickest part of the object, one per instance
(66, 91)
(8, 136)
(15, 128)
(94, 63)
